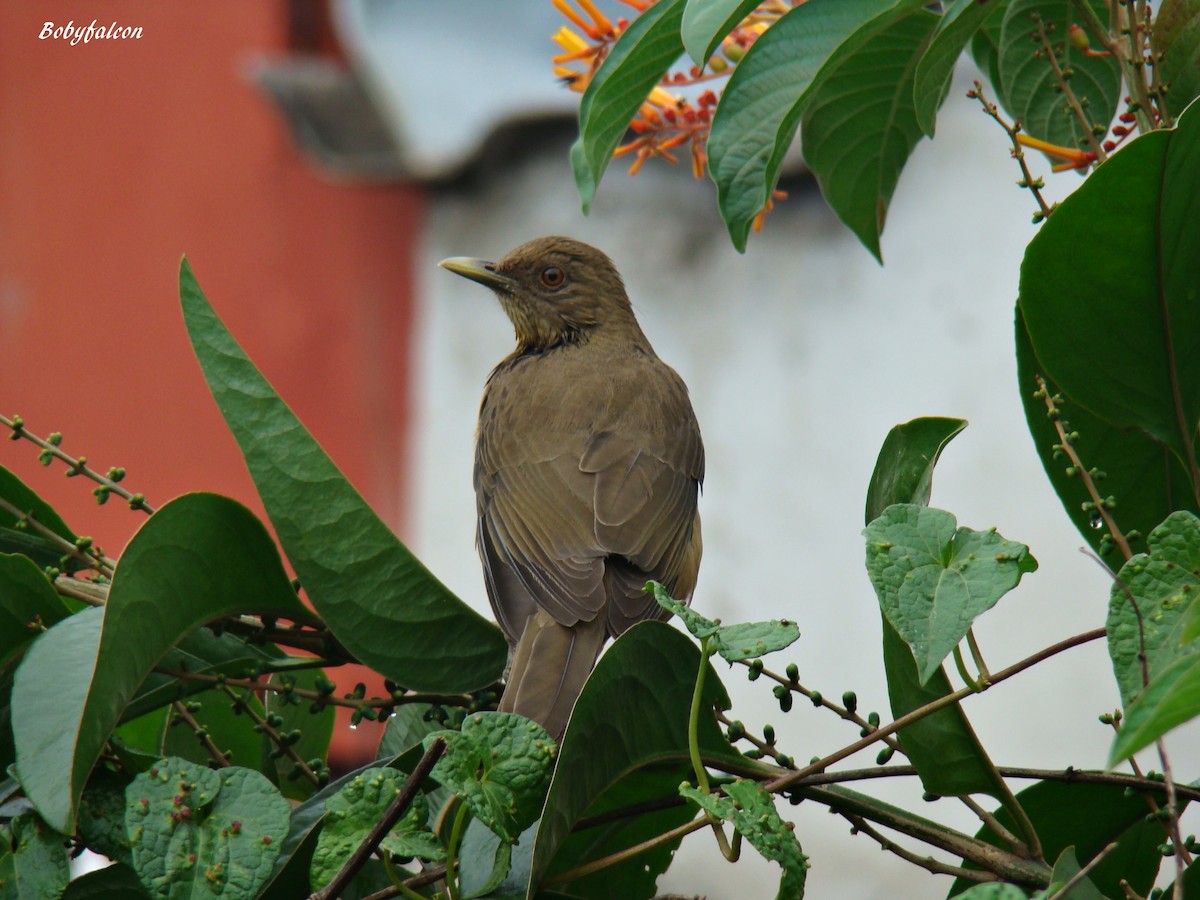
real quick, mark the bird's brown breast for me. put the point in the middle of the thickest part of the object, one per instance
(587, 468)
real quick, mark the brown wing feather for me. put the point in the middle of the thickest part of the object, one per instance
(581, 499)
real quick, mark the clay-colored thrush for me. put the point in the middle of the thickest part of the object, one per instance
(588, 461)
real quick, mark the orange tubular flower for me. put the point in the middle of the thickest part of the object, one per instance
(1063, 158)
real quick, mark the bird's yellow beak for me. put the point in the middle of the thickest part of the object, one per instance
(480, 270)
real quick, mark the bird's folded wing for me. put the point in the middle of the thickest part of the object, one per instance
(555, 523)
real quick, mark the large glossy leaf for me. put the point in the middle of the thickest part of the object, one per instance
(1148, 629)
(1141, 474)
(28, 603)
(761, 106)
(634, 65)
(1109, 289)
(375, 596)
(1089, 817)
(943, 746)
(959, 23)
(1028, 87)
(197, 559)
(630, 722)
(1176, 40)
(706, 22)
(860, 124)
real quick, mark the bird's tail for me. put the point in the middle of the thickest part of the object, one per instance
(549, 666)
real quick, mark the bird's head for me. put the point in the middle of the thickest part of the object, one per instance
(556, 291)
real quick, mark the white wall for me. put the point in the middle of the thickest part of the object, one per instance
(800, 356)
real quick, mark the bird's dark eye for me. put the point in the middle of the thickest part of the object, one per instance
(553, 277)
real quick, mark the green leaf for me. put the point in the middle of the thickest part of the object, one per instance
(706, 22)
(698, 625)
(28, 602)
(20, 538)
(1141, 474)
(1176, 41)
(1066, 868)
(761, 106)
(957, 26)
(749, 640)
(1191, 623)
(289, 877)
(1163, 583)
(752, 811)
(37, 867)
(113, 883)
(500, 764)
(992, 891)
(406, 729)
(745, 640)
(1088, 817)
(904, 468)
(933, 580)
(210, 557)
(860, 124)
(351, 813)
(197, 833)
(376, 597)
(102, 816)
(1135, 222)
(942, 746)
(985, 45)
(634, 65)
(1171, 699)
(1028, 87)
(16, 492)
(490, 867)
(627, 742)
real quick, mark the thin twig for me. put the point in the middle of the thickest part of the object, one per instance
(998, 829)
(75, 466)
(1064, 84)
(1083, 873)
(790, 779)
(928, 863)
(201, 733)
(621, 855)
(1031, 184)
(1066, 443)
(240, 704)
(819, 699)
(317, 696)
(91, 560)
(390, 817)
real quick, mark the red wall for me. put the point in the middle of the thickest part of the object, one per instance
(117, 157)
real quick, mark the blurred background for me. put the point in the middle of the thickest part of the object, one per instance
(314, 159)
